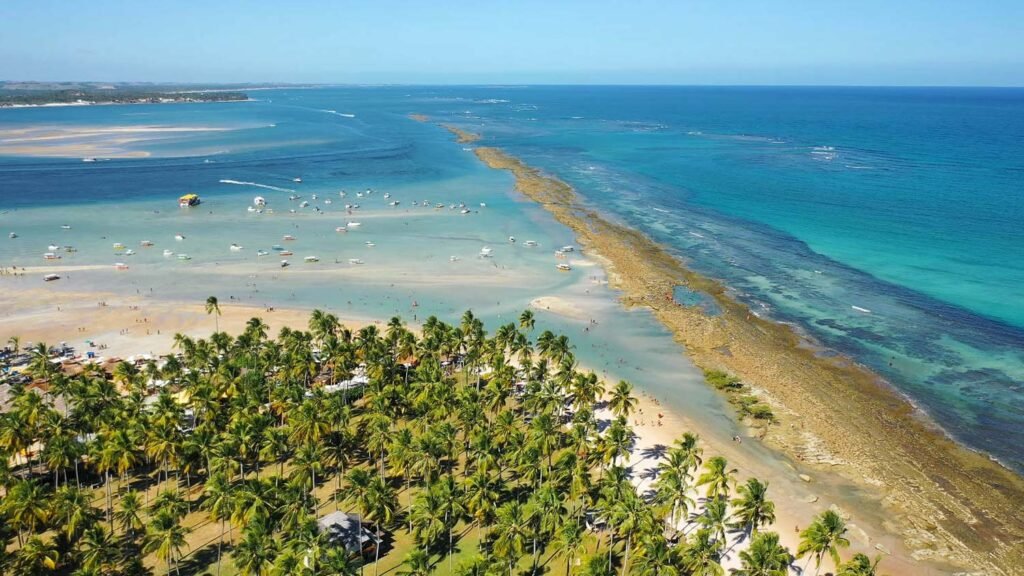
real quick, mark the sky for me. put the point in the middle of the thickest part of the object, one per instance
(819, 42)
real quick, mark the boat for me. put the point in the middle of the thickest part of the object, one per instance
(387, 195)
(294, 197)
(485, 252)
(284, 263)
(394, 203)
(120, 266)
(563, 267)
(129, 252)
(568, 249)
(342, 194)
(259, 201)
(483, 204)
(453, 258)
(235, 247)
(354, 224)
(303, 204)
(145, 243)
(12, 235)
(464, 211)
(277, 247)
(53, 247)
(168, 252)
(341, 229)
(184, 257)
(314, 196)
(70, 249)
(328, 201)
(51, 277)
(262, 252)
(512, 239)
(189, 200)
(88, 159)
(51, 256)
(354, 261)
(297, 180)
(288, 237)
(179, 237)
(65, 227)
(369, 244)
(118, 246)
(286, 253)
(530, 243)
(311, 259)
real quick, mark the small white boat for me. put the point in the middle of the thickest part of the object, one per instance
(288, 237)
(51, 277)
(259, 201)
(235, 247)
(563, 267)
(294, 197)
(262, 252)
(179, 237)
(568, 249)
(70, 249)
(387, 195)
(286, 253)
(184, 257)
(53, 247)
(485, 252)
(51, 256)
(120, 266)
(303, 204)
(354, 261)
(369, 244)
(12, 235)
(297, 180)
(168, 252)
(354, 224)
(145, 243)
(453, 258)
(284, 263)
(66, 227)
(359, 194)
(250, 209)
(483, 204)
(342, 194)
(530, 243)
(129, 252)
(328, 201)
(311, 259)
(88, 159)
(314, 196)
(394, 203)
(118, 246)
(341, 229)
(464, 211)
(512, 239)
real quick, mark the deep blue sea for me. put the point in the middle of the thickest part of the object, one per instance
(885, 223)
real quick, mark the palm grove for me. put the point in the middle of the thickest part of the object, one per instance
(464, 453)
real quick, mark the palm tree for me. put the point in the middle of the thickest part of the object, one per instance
(25, 507)
(860, 565)
(657, 558)
(765, 557)
(621, 402)
(568, 542)
(166, 538)
(72, 510)
(825, 535)
(702, 554)
(98, 550)
(213, 307)
(717, 477)
(416, 563)
(219, 502)
(36, 557)
(255, 554)
(753, 509)
(129, 513)
(526, 320)
(513, 532)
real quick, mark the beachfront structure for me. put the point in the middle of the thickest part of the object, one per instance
(348, 530)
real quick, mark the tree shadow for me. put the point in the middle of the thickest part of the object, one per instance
(203, 560)
(656, 452)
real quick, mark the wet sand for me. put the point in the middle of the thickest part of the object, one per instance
(947, 504)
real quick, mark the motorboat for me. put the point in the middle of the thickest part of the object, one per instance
(129, 252)
(314, 196)
(121, 266)
(341, 229)
(262, 252)
(394, 203)
(563, 267)
(369, 244)
(303, 204)
(568, 249)
(288, 237)
(328, 201)
(65, 227)
(184, 257)
(294, 197)
(51, 277)
(354, 224)
(168, 253)
(311, 259)
(297, 180)
(465, 211)
(235, 247)
(387, 195)
(354, 261)
(286, 253)
(277, 247)
(453, 258)
(189, 200)
(179, 237)
(483, 204)
(512, 239)
(146, 243)
(485, 252)
(53, 247)
(12, 235)
(118, 246)
(259, 201)
(530, 243)
(51, 256)
(284, 264)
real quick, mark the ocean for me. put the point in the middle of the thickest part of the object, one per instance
(886, 224)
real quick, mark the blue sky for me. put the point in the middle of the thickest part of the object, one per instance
(866, 42)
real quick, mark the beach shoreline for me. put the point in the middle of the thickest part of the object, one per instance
(950, 505)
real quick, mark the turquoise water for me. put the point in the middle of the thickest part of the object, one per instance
(887, 224)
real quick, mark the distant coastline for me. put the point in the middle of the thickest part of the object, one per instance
(8, 100)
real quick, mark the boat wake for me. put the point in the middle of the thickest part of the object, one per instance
(336, 113)
(257, 185)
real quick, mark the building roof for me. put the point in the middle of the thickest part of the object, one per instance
(343, 529)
